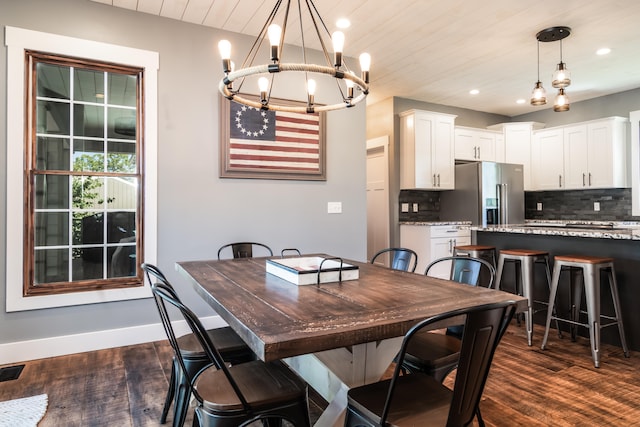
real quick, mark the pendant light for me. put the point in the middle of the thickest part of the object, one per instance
(561, 77)
(539, 95)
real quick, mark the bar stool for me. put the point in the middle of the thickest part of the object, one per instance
(524, 260)
(477, 251)
(591, 267)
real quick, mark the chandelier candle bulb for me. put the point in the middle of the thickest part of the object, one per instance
(275, 33)
(349, 84)
(337, 39)
(263, 84)
(311, 90)
(224, 46)
(365, 64)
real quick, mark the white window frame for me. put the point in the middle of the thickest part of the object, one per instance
(17, 41)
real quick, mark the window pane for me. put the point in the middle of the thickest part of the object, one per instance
(52, 153)
(88, 192)
(52, 228)
(88, 263)
(121, 226)
(51, 265)
(122, 90)
(123, 261)
(88, 120)
(52, 192)
(121, 157)
(52, 117)
(53, 81)
(88, 155)
(88, 85)
(88, 228)
(122, 123)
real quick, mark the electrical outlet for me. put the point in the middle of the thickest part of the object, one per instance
(596, 206)
(404, 207)
(539, 206)
(415, 207)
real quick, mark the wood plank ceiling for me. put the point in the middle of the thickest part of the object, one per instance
(437, 51)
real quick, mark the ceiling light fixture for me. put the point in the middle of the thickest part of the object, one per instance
(346, 80)
(561, 77)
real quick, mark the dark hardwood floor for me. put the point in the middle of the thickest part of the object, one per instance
(126, 386)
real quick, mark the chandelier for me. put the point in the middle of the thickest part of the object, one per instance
(274, 34)
(561, 77)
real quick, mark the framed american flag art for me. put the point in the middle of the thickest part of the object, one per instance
(263, 144)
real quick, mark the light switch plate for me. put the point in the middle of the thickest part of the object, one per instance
(596, 206)
(404, 207)
(334, 207)
(415, 207)
(539, 206)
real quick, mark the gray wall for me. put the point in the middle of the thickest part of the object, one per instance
(197, 211)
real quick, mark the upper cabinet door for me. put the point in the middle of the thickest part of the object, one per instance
(426, 150)
(575, 156)
(475, 144)
(548, 165)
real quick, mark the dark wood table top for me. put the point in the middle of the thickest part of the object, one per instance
(279, 319)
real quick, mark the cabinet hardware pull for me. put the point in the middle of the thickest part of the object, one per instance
(450, 246)
(559, 181)
(475, 152)
(438, 180)
(434, 179)
(478, 152)
(589, 179)
(583, 180)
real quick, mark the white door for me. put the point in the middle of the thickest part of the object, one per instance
(377, 195)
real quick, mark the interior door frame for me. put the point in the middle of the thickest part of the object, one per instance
(373, 145)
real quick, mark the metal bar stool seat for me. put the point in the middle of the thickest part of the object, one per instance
(591, 268)
(525, 260)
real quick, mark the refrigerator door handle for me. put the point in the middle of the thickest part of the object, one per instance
(503, 203)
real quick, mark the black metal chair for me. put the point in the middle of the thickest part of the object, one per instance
(244, 249)
(419, 399)
(437, 354)
(231, 347)
(230, 396)
(400, 258)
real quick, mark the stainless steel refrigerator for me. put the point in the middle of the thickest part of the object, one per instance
(486, 193)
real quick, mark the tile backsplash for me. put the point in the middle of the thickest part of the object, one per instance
(615, 205)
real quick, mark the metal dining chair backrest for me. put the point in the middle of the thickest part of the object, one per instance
(164, 294)
(467, 270)
(484, 327)
(401, 258)
(244, 249)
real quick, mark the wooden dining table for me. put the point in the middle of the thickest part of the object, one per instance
(335, 335)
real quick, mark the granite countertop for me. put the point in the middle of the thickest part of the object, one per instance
(429, 223)
(592, 229)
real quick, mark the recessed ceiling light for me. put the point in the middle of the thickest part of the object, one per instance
(603, 51)
(520, 101)
(343, 23)
(474, 91)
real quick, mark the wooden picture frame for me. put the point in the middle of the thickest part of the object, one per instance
(261, 144)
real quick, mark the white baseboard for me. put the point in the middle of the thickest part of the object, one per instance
(22, 351)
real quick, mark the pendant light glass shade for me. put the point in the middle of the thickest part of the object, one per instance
(562, 101)
(539, 95)
(562, 76)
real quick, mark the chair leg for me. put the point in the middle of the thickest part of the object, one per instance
(552, 303)
(616, 306)
(170, 393)
(479, 417)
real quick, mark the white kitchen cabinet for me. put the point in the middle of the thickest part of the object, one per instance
(432, 242)
(475, 144)
(582, 156)
(426, 150)
(548, 170)
(517, 147)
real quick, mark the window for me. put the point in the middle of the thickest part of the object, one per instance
(81, 188)
(83, 182)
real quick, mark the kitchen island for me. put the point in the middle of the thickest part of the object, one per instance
(620, 241)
